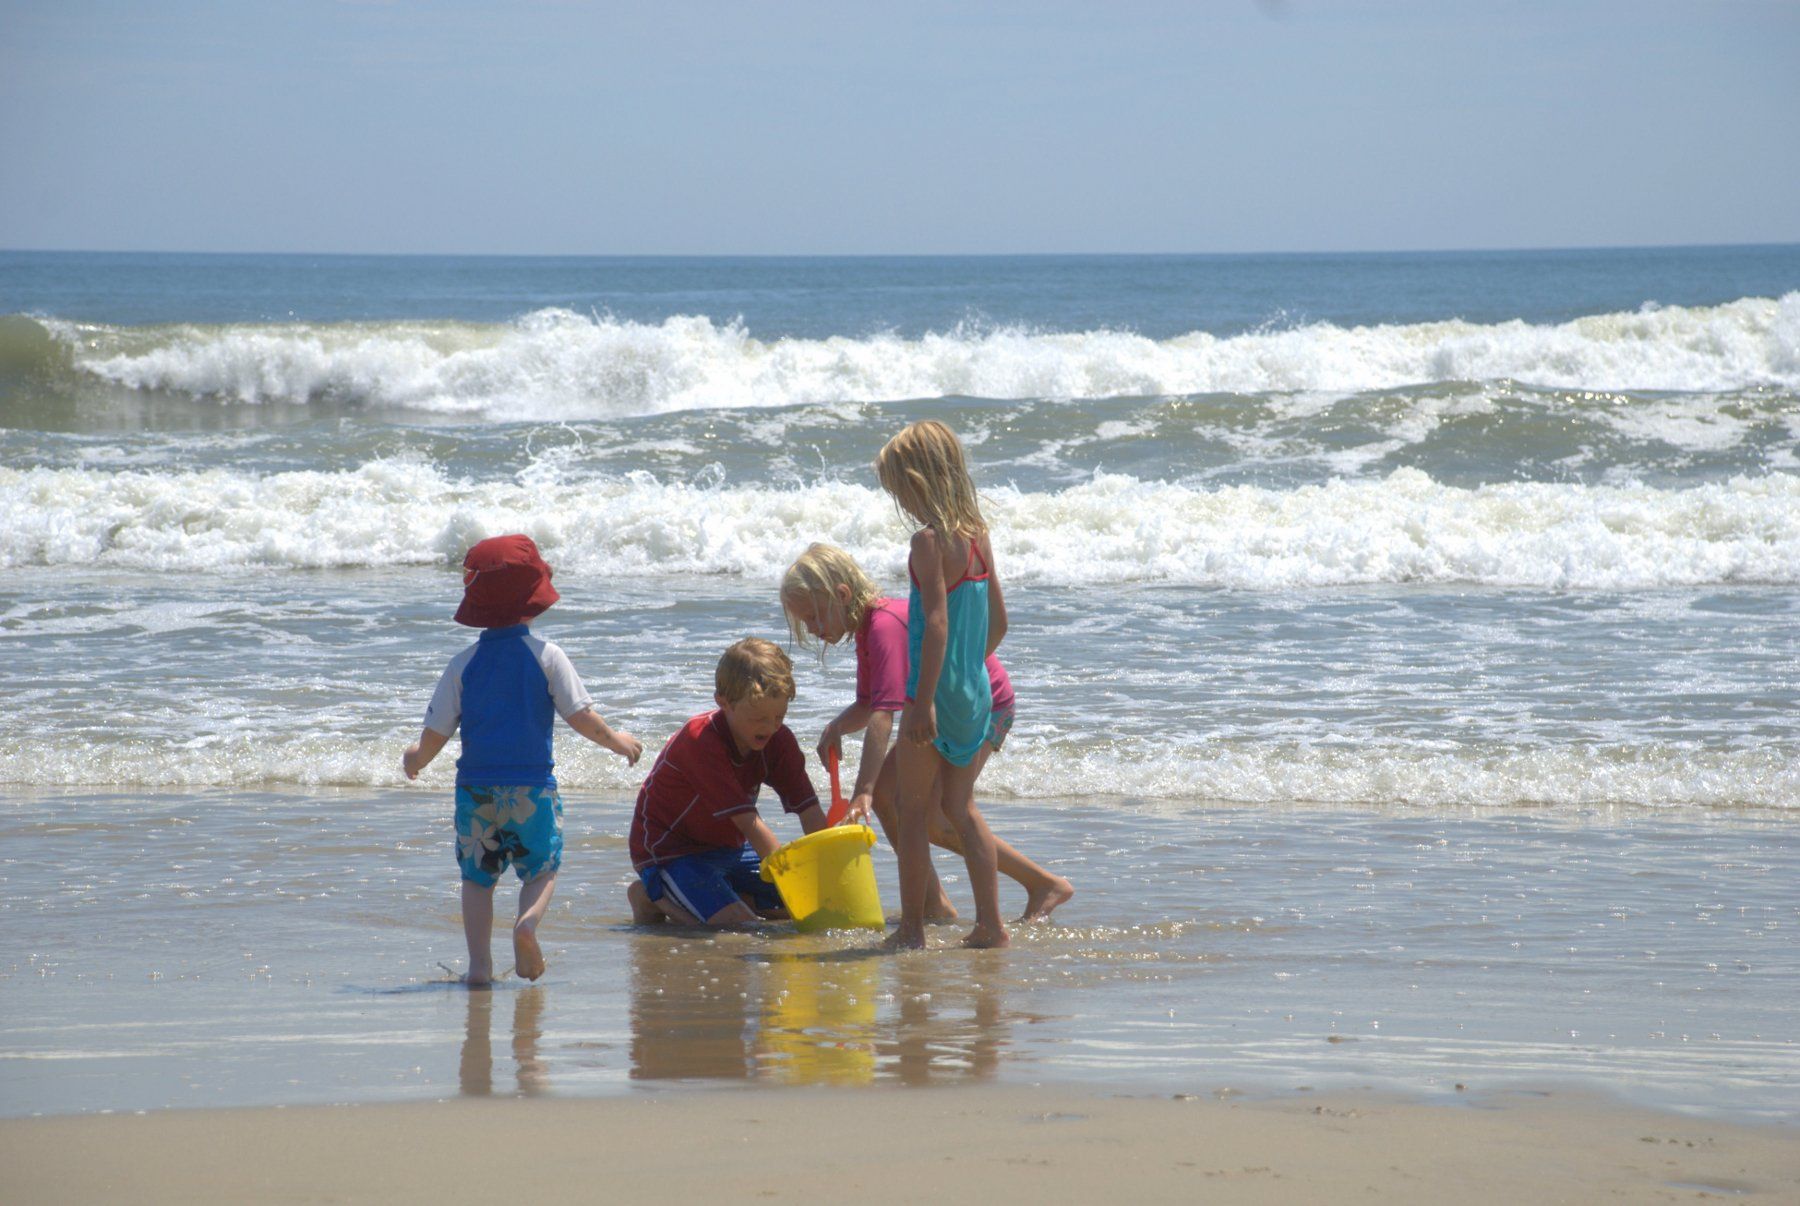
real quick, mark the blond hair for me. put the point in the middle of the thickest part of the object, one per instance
(754, 669)
(816, 575)
(923, 467)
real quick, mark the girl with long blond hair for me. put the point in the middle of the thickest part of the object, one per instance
(826, 597)
(956, 617)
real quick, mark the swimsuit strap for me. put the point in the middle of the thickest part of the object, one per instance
(974, 552)
(967, 574)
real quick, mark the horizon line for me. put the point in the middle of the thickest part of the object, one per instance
(903, 255)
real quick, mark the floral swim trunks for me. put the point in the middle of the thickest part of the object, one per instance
(507, 826)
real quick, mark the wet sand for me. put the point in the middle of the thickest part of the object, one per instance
(238, 950)
(975, 1145)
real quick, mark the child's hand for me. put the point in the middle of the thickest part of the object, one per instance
(419, 754)
(629, 748)
(918, 723)
(830, 741)
(862, 807)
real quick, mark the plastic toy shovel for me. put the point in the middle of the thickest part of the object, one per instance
(839, 805)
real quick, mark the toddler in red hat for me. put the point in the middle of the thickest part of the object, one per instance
(505, 691)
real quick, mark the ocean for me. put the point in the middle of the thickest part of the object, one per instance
(1423, 619)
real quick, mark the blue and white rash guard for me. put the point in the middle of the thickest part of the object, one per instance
(506, 691)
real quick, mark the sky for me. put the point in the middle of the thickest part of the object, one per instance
(759, 127)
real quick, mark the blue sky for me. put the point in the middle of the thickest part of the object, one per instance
(828, 128)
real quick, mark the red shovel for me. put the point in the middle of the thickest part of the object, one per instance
(839, 805)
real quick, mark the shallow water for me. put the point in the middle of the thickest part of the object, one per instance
(262, 948)
(1407, 652)
(1677, 700)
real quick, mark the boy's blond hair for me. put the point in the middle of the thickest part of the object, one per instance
(815, 575)
(754, 669)
(923, 467)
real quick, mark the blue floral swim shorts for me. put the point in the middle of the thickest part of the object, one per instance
(507, 826)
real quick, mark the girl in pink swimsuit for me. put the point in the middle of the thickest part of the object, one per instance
(826, 596)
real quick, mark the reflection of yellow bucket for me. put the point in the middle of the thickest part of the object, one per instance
(818, 1021)
(827, 880)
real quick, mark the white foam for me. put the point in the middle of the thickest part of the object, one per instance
(555, 364)
(1404, 528)
(1481, 776)
(1031, 768)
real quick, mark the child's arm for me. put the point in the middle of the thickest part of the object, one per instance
(868, 769)
(756, 832)
(588, 723)
(419, 754)
(996, 600)
(919, 722)
(851, 720)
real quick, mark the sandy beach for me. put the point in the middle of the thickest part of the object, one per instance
(960, 1145)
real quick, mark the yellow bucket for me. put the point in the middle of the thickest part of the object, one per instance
(827, 880)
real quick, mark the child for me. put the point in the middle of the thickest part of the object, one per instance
(502, 690)
(956, 617)
(826, 595)
(697, 841)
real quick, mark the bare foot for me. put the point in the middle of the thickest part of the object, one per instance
(982, 937)
(477, 978)
(940, 910)
(903, 939)
(1041, 902)
(643, 909)
(528, 957)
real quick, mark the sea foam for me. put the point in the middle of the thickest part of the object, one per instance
(556, 364)
(1161, 771)
(1402, 528)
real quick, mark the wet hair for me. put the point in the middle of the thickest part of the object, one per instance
(815, 575)
(923, 467)
(754, 669)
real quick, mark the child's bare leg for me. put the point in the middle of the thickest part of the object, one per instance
(478, 930)
(645, 911)
(919, 766)
(1044, 890)
(534, 899)
(737, 913)
(937, 905)
(978, 853)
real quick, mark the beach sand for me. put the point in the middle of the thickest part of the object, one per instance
(980, 1144)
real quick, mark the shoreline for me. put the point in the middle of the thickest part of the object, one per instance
(1395, 954)
(971, 1143)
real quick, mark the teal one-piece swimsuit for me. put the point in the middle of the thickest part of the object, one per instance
(965, 696)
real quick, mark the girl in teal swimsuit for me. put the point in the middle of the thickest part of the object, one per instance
(956, 617)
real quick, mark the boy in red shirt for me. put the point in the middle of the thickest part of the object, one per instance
(697, 841)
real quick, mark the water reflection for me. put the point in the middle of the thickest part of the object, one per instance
(689, 1011)
(475, 1071)
(818, 1021)
(715, 1010)
(951, 1025)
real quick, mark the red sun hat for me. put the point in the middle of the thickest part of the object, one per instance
(505, 582)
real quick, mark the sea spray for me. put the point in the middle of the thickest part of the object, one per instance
(558, 364)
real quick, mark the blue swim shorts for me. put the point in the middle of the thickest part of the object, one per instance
(711, 880)
(507, 826)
